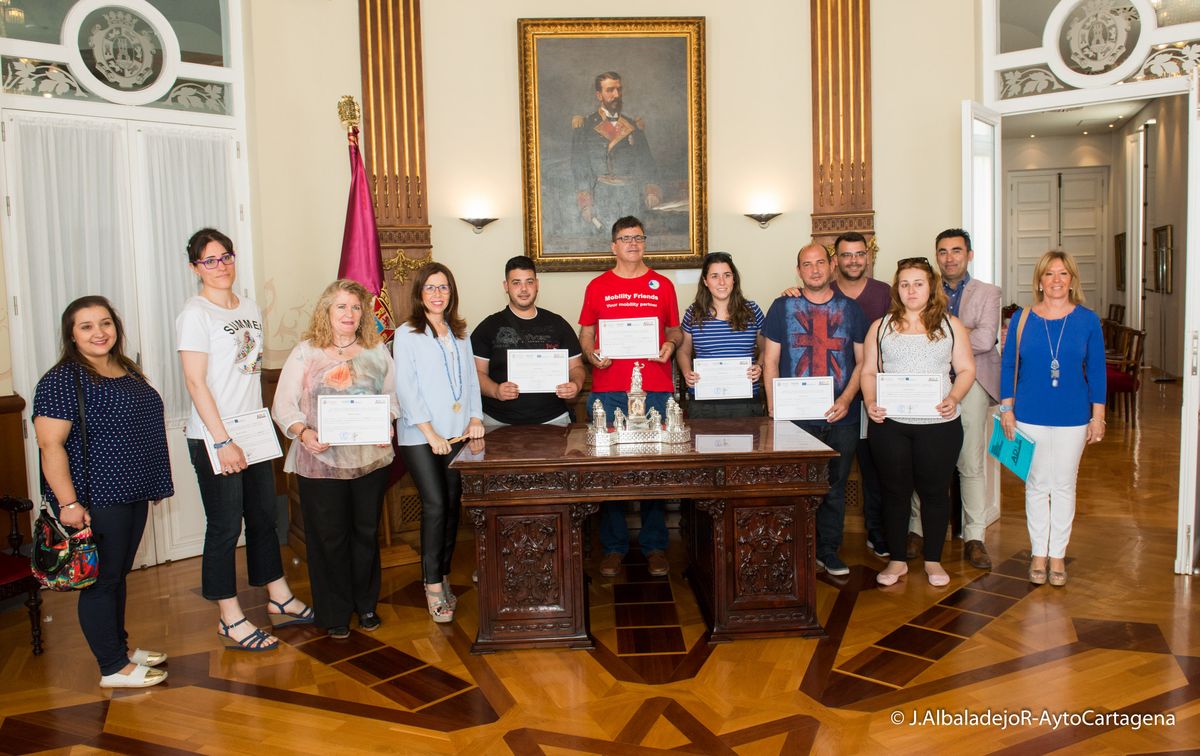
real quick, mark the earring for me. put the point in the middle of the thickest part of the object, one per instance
(1039, 288)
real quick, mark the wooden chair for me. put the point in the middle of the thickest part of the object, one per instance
(1116, 313)
(1124, 373)
(1113, 334)
(16, 577)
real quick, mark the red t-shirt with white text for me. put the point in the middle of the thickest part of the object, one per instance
(610, 297)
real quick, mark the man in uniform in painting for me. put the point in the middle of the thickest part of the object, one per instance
(614, 172)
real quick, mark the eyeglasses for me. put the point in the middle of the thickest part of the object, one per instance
(852, 255)
(630, 239)
(914, 262)
(210, 263)
(436, 288)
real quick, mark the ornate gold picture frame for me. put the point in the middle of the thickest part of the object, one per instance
(613, 118)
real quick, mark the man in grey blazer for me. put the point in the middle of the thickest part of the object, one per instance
(977, 305)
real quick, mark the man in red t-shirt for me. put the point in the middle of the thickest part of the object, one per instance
(630, 290)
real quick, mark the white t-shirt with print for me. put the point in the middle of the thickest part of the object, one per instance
(233, 341)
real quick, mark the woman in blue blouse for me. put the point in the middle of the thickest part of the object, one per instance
(440, 408)
(110, 484)
(721, 323)
(1058, 401)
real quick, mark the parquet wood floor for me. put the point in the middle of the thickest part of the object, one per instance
(1122, 637)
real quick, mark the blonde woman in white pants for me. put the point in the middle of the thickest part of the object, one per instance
(1052, 390)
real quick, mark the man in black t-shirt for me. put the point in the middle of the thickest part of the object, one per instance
(522, 325)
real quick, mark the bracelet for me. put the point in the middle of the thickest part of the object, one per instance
(223, 444)
(72, 505)
(1098, 420)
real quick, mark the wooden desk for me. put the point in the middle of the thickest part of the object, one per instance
(750, 531)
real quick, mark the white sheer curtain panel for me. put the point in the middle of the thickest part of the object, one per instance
(185, 184)
(72, 222)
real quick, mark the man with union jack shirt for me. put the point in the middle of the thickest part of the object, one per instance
(820, 333)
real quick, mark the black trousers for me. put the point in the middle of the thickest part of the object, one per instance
(117, 529)
(341, 534)
(441, 503)
(920, 457)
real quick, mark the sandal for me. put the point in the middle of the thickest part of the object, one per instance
(147, 658)
(141, 677)
(451, 599)
(439, 608)
(255, 641)
(285, 618)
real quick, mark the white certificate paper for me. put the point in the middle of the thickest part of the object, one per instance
(252, 431)
(802, 398)
(629, 339)
(723, 378)
(537, 371)
(911, 395)
(354, 419)
(724, 444)
(788, 437)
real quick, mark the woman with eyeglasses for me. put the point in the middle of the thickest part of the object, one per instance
(1054, 393)
(220, 339)
(440, 408)
(918, 451)
(341, 487)
(721, 324)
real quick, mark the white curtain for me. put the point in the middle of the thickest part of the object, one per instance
(184, 183)
(72, 220)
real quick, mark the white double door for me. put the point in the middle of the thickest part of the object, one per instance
(1057, 209)
(105, 206)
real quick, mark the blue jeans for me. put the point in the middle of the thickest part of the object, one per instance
(831, 515)
(117, 529)
(614, 533)
(228, 500)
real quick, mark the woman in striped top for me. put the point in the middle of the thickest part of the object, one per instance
(721, 324)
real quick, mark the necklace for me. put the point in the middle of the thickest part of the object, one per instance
(340, 347)
(455, 392)
(1054, 349)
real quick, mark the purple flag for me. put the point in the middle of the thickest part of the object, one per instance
(362, 259)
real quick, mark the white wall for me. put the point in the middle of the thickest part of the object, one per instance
(302, 55)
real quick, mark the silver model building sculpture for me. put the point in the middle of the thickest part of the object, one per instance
(637, 427)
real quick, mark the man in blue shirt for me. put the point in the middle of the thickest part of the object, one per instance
(820, 333)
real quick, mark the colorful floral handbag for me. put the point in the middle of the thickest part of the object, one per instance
(63, 561)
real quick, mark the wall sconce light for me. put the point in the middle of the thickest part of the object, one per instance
(477, 223)
(763, 219)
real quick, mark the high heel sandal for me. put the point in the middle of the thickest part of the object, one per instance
(439, 608)
(285, 618)
(255, 641)
(1037, 576)
(451, 599)
(1058, 578)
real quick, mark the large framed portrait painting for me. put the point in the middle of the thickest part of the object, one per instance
(612, 114)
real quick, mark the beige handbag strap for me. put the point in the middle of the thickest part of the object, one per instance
(1017, 361)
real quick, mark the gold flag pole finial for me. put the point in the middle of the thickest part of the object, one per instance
(349, 113)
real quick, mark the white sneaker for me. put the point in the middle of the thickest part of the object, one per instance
(141, 677)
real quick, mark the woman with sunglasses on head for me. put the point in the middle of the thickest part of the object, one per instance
(917, 335)
(341, 487)
(440, 407)
(220, 340)
(103, 440)
(721, 324)
(1054, 393)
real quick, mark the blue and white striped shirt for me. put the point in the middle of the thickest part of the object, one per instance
(716, 340)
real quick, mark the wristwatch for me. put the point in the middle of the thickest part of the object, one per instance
(1005, 408)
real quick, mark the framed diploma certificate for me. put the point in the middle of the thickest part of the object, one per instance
(911, 395)
(354, 419)
(801, 398)
(723, 378)
(537, 371)
(629, 339)
(252, 431)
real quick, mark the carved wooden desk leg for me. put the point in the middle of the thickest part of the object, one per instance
(755, 575)
(531, 590)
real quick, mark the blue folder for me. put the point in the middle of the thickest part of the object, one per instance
(1016, 454)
